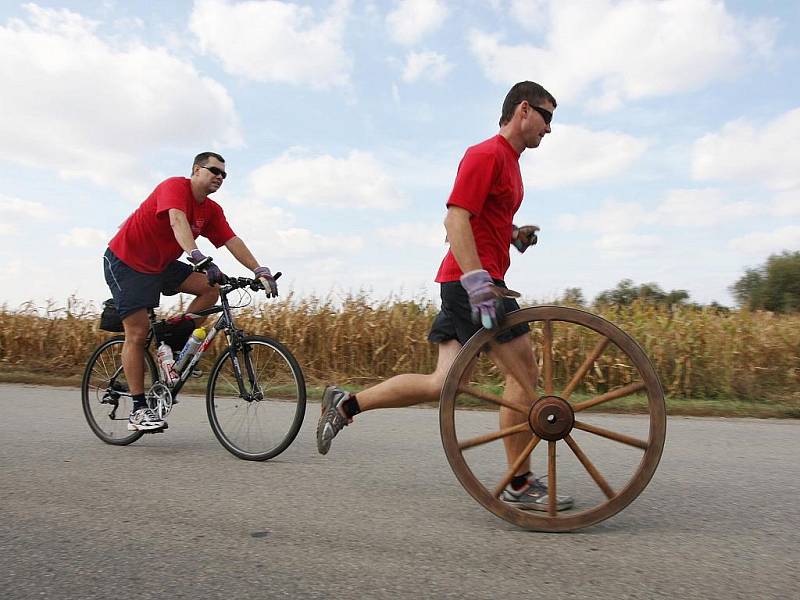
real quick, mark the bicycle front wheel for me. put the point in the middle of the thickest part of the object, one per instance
(105, 395)
(256, 405)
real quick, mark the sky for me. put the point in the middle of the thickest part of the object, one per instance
(674, 155)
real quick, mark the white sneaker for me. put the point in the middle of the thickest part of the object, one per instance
(145, 419)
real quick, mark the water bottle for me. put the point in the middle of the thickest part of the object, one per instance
(192, 344)
(166, 363)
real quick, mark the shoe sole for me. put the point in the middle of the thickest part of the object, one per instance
(323, 445)
(537, 507)
(132, 427)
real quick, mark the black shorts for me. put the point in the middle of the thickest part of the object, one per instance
(133, 290)
(454, 321)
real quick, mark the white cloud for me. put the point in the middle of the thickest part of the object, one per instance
(271, 231)
(531, 14)
(627, 244)
(358, 180)
(679, 208)
(413, 19)
(404, 235)
(275, 41)
(93, 108)
(612, 217)
(787, 204)
(700, 208)
(628, 49)
(84, 237)
(767, 153)
(25, 209)
(426, 65)
(766, 242)
(573, 155)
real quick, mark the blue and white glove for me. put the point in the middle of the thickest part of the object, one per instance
(524, 237)
(213, 274)
(484, 296)
(264, 275)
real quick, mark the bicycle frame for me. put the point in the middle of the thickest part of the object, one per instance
(224, 323)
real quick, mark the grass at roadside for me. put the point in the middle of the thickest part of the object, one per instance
(716, 407)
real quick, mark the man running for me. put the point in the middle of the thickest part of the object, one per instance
(486, 195)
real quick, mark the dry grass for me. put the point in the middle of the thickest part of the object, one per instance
(752, 356)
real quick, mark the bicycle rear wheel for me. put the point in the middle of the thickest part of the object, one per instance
(105, 394)
(260, 420)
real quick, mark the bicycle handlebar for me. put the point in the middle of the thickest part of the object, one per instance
(233, 283)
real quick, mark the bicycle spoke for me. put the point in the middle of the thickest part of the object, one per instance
(490, 437)
(590, 468)
(547, 357)
(584, 368)
(612, 435)
(627, 390)
(551, 479)
(515, 467)
(500, 401)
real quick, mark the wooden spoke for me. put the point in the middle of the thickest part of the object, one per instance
(627, 390)
(584, 368)
(517, 463)
(490, 437)
(612, 435)
(547, 358)
(590, 468)
(551, 479)
(500, 401)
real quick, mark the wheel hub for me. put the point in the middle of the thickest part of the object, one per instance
(551, 418)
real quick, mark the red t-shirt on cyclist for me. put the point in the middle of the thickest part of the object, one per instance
(489, 185)
(145, 241)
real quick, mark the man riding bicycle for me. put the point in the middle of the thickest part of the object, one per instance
(141, 263)
(487, 193)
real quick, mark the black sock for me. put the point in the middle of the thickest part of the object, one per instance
(520, 480)
(138, 402)
(351, 407)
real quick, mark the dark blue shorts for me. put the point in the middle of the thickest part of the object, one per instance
(133, 290)
(454, 321)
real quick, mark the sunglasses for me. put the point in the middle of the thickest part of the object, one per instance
(547, 116)
(216, 171)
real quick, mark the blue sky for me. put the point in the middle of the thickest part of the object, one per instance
(673, 158)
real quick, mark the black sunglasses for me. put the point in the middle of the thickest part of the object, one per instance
(547, 116)
(216, 171)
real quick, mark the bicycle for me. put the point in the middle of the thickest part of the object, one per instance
(265, 400)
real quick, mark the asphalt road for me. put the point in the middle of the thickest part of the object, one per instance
(382, 516)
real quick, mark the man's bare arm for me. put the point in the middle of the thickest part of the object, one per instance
(242, 253)
(462, 242)
(181, 230)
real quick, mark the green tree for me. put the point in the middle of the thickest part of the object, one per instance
(626, 292)
(774, 286)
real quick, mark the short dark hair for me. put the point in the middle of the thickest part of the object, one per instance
(524, 90)
(202, 159)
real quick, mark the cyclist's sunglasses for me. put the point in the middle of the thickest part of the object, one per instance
(216, 171)
(547, 116)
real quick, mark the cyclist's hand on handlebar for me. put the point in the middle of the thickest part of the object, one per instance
(213, 274)
(484, 296)
(524, 237)
(264, 275)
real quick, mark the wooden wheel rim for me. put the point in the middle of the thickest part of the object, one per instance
(570, 520)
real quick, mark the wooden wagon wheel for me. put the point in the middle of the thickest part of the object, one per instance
(610, 369)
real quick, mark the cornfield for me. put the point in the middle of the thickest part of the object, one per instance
(698, 353)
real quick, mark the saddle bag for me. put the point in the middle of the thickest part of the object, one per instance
(109, 318)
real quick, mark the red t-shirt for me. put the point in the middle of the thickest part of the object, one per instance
(489, 185)
(145, 241)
